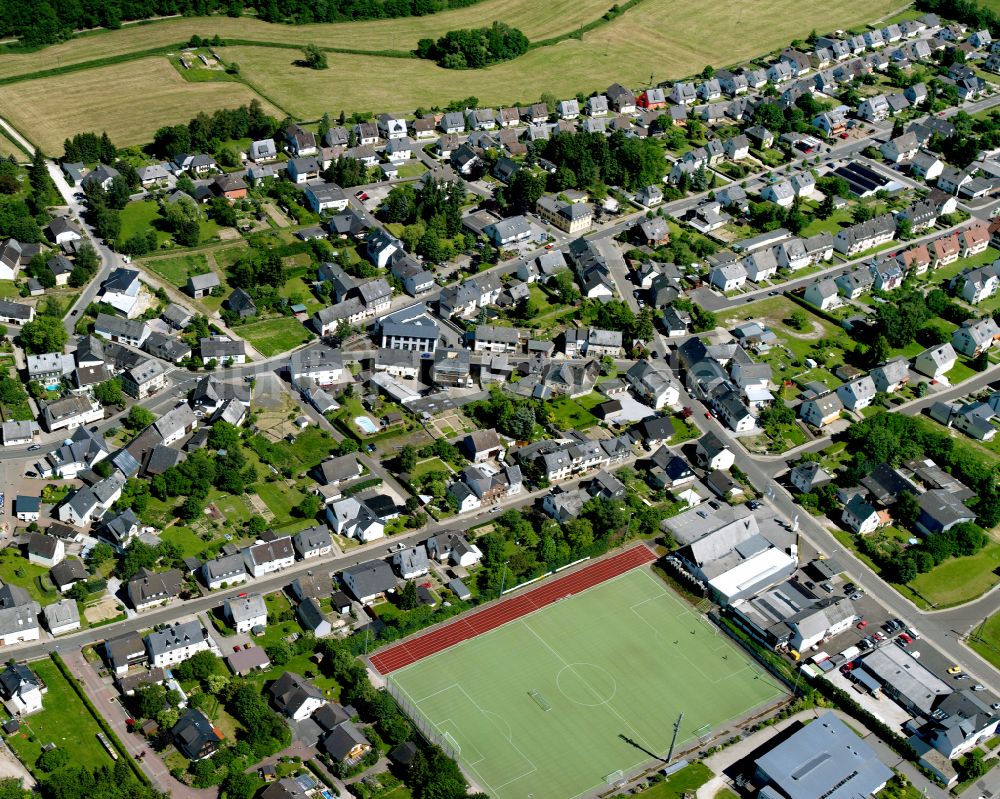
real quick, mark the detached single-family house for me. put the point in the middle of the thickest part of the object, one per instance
(821, 411)
(936, 361)
(246, 612)
(369, 580)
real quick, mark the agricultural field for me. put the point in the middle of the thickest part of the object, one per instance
(536, 20)
(9, 148)
(129, 100)
(665, 39)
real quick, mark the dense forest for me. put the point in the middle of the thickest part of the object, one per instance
(47, 21)
(475, 48)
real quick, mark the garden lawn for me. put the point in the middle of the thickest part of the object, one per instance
(33, 578)
(64, 721)
(430, 465)
(986, 640)
(179, 268)
(960, 580)
(274, 336)
(295, 290)
(679, 784)
(138, 218)
(574, 413)
(832, 224)
(281, 499)
(187, 539)
(960, 372)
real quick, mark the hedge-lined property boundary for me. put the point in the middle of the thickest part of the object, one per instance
(105, 727)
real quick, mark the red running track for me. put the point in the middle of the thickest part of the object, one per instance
(507, 610)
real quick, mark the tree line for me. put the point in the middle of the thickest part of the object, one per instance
(204, 132)
(48, 21)
(474, 48)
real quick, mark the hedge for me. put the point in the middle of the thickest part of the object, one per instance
(105, 728)
(352, 490)
(321, 776)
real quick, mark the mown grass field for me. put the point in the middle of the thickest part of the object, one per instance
(8, 148)
(657, 38)
(63, 721)
(662, 38)
(130, 101)
(275, 335)
(536, 20)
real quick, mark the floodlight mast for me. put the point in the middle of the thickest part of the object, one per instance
(673, 740)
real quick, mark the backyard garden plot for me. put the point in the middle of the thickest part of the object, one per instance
(553, 702)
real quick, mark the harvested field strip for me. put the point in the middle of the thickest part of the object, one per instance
(536, 20)
(130, 101)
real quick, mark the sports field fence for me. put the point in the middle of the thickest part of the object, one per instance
(428, 731)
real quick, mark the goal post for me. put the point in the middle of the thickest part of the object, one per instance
(540, 700)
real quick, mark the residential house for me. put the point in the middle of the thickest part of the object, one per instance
(269, 556)
(821, 411)
(713, 453)
(176, 643)
(45, 550)
(69, 412)
(890, 377)
(144, 380)
(369, 580)
(147, 588)
(227, 570)
(975, 336)
(857, 394)
(936, 361)
(21, 689)
(195, 736)
(823, 294)
(860, 517)
(121, 291)
(62, 617)
(246, 612)
(223, 350)
(902, 148)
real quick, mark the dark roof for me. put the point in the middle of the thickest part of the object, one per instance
(193, 732)
(42, 545)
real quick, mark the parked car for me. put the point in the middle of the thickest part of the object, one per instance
(954, 669)
(978, 687)
(862, 624)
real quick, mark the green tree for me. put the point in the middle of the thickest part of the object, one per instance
(43, 334)
(139, 418)
(239, 785)
(906, 510)
(52, 759)
(109, 392)
(408, 458)
(279, 653)
(408, 599)
(309, 507)
(313, 57)
(798, 320)
(973, 765)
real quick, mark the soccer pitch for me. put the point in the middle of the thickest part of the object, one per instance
(543, 705)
